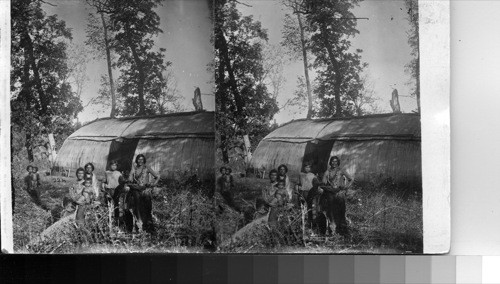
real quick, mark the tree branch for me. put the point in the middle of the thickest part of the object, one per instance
(241, 3)
(50, 4)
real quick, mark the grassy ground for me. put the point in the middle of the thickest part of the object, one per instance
(182, 211)
(383, 218)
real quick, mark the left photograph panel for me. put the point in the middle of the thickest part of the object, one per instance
(112, 126)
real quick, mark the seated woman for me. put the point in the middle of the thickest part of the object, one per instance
(141, 193)
(74, 192)
(267, 199)
(280, 203)
(332, 200)
(78, 198)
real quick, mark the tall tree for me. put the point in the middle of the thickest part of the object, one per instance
(100, 39)
(300, 99)
(244, 105)
(104, 99)
(296, 38)
(135, 24)
(41, 98)
(332, 24)
(413, 67)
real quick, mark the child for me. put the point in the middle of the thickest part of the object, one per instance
(280, 201)
(89, 173)
(36, 177)
(32, 181)
(28, 178)
(307, 189)
(282, 176)
(220, 180)
(281, 193)
(226, 186)
(87, 192)
(112, 189)
(83, 201)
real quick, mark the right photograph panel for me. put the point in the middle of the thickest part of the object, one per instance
(318, 126)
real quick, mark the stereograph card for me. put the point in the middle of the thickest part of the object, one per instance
(278, 126)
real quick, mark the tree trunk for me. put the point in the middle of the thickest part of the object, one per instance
(336, 68)
(336, 91)
(224, 150)
(29, 148)
(36, 74)
(222, 106)
(240, 103)
(110, 70)
(142, 75)
(306, 67)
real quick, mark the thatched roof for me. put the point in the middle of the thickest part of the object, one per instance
(184, 124)
(172, 143)
(382, 126)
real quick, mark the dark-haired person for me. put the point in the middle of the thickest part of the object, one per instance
(307, 190)
(282, 176)
(84, 201)
(89, 174)
(32, 181)
(282, 201)
(28, 180)
(221, 179)
(333, 198)
(113, 189)
(267, 199)
(36, 177)
(225, 185)
(70, 202)
(140, 189)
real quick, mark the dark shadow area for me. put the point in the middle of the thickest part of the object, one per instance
(318, 153)
(122, 151)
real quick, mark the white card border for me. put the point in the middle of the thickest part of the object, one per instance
(435, 102)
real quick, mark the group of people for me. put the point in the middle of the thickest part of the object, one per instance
(325, 197)
(130, 198)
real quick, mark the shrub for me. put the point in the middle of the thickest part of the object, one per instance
(29, 220)
(383, 217)
(183, 215)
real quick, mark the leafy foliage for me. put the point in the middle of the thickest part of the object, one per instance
(134, 24)
(182, 210)
(413, 67)
(145, 84)
(332, 24)
(244, 104)
(296, 38)
(383, 217)
(42, 100)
